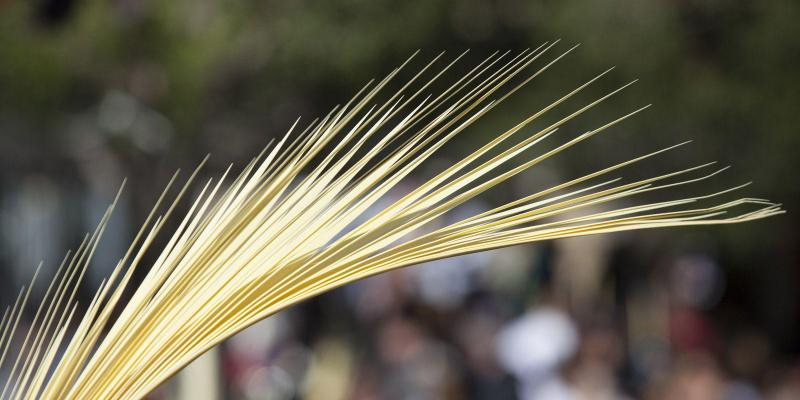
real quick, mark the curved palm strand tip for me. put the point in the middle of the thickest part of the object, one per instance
(300, 220)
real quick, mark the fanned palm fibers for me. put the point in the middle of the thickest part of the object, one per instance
(300, 220)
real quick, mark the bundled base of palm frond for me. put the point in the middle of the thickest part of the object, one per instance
(299, 221)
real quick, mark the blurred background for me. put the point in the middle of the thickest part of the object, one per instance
(95, 91)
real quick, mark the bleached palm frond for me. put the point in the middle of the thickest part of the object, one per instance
(299, 221)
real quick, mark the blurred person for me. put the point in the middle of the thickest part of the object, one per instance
(592, 374)
(692, 376)
(444, 284)
(699, 376)
(534, 348)
(32, 225)
(265, 361)
(329, 375)
(580, 263)
(418, 366)
(368, 383)
(475, 333)
(696, 284)
(379, 296)
(747, 358)
(784, 385)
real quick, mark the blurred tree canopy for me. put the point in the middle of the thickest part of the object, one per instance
(221, 77)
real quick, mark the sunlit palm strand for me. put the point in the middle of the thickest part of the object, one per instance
(78, 266)
(301, 219)
(79, 260)
(488, 86)
(33, 351)
(44, 328)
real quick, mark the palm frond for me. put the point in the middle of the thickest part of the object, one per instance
(300, 220)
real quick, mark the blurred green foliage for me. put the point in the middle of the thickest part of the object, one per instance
(722, 72)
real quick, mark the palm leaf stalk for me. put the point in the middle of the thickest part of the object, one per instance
(298, 220)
